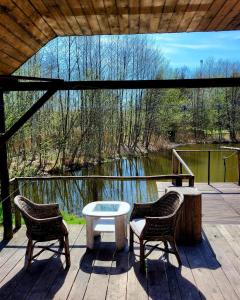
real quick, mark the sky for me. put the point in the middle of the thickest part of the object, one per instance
(189, 48)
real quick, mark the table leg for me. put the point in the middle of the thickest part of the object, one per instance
(120, 232)
(96, 234)
(90, 233)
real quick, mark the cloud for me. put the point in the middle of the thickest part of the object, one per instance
(164, 37)
(196, 46)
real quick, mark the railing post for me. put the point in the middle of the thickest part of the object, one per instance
(178, 181)
(16, 211)
(181, 169)
(191, 181)
(175, 165)
(94, 190)
(209, 166)
(4, 178)
(238, 157)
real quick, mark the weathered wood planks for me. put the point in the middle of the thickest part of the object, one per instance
(28, 25)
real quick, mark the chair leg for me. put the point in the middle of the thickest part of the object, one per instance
(166, 254)
(165, 245)
(28, 255)
(130, 239)
(175, 250)
(67, 252)
(61, 243)
(142, 257)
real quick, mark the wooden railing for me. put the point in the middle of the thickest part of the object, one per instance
(178, 178)
(177, 168)
(238, 158)
(178, 163)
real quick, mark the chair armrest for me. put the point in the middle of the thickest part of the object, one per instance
(51, 219)
(140, 210)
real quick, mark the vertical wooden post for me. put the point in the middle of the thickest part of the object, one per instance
(175, 164)
(4, 178)
(16, 210)
(94, 190)
(178, 181)
(181, 170)
(209, 166)
(238, 157)
(191, 181)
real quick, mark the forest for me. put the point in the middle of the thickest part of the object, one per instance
(76, 128)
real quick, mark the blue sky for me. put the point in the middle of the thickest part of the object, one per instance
(189, 48)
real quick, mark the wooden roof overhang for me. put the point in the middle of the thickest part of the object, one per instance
(27, 25)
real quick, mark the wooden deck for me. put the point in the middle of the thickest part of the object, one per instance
(211, 270)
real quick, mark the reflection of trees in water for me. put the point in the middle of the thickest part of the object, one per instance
(73, 195)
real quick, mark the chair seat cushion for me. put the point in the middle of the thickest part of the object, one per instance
(137, 225)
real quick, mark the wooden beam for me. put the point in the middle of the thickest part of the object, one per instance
(8, 85)
(32, 110)
(4, 178)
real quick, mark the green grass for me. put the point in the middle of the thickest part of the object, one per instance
(72, 219)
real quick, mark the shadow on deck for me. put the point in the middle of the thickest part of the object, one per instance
(211, 269)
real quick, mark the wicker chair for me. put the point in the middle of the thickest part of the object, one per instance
(156, 221)
(44, 223)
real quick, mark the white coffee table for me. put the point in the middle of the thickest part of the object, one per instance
(106, 216)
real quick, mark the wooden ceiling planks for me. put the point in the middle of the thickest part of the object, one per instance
(188, 15)
(178, 15)
(80, 17)
(123, 16)
(156, 13)
(47, 16)
(88, 10)
(199, 14)
(100, 12)
(27, 25)
(112, 14)
(40, 26)
(223, 12)
(68, 15)
(134, 16)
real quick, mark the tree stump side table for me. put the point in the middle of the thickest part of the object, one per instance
(190, 222)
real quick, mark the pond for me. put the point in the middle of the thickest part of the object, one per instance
(73, 195)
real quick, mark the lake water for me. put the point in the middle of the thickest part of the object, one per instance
(73, 195)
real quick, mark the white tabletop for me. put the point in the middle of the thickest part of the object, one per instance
(106, 209)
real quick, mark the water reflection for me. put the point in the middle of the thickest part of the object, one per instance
(73, 195)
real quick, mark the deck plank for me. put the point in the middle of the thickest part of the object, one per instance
(8, 250)
(63, 282)
(157, 275)
(55, 267)
(216, 270)
(20, 282)
(137, 282)
(202, 275)
(118, 276)
(186, 282)
(224, 256)
(101, 270)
